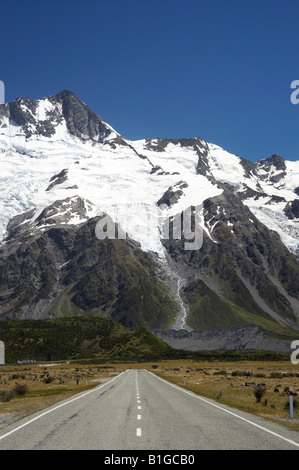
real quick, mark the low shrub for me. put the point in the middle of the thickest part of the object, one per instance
(259, 391)
(241, 373)
(20, 389)
(6, 395)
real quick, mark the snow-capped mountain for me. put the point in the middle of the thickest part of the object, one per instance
(62, 166)
(40, 139)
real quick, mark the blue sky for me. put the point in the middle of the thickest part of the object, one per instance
(219, 70)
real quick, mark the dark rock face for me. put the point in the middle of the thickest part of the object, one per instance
(274, 199)
(23, 112)
(242, 266)
(160, 144)
(249, 193)
(292, 209)
(248, 166)
(58, 179)
(81, 121)
(199, 146)
(4, 113)
(275, 161)
(173, 194)
(62, 212)
(18, 224)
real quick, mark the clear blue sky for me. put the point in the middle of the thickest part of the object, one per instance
(220, 70)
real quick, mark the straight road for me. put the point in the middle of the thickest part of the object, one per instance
(137, 410)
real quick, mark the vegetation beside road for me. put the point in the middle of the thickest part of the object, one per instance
(43, 385)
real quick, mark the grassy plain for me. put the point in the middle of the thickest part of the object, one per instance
(229, 383)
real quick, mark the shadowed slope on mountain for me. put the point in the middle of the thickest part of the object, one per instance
(243, 274)
(66, 270)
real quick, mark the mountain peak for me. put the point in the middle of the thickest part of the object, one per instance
(65, 94)
(277, 160)
(81, 121)
(273, 168)
(44, 117)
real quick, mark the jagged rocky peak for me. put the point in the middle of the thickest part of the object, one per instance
(272, 168)
(42, 117)
(292, 209)
(173, 194)
(32, 116)
(228, 209)
(18, 225)
(67, 211)
(160, 144)
(81, 121)
(72, 210)
(275, 160)
(195, 144)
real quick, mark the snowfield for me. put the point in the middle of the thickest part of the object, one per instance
(119, 179)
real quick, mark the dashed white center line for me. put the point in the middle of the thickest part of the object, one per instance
(138, 430)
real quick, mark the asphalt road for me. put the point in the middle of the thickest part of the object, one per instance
(137, 410)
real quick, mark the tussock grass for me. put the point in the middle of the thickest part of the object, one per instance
(44, 385)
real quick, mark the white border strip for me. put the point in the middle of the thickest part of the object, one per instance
(227, 411)
(80, 395)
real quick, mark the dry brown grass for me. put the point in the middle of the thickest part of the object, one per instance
(48, 384)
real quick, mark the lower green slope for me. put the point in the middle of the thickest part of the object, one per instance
(67, 271)
(78, 338)
(209, 311)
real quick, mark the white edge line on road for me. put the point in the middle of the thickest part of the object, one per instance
(226, 411)
(81, 395)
